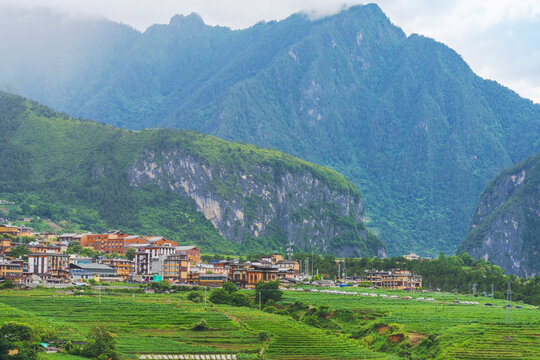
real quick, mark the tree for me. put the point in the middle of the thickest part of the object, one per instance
(219, 296)
(21, 337)
(240, 299)
(101, 343)
(268, 291)
(229, 287)
(130, 253)
(19, 251)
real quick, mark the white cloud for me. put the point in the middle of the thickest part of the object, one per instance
(498, 38)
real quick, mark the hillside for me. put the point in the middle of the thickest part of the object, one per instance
(505, 228)
(223, 196)
(403, 117)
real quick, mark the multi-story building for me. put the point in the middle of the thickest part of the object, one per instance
(288, 268)
(123, 267)
(175, 268)
(211, 279)
(247, 275)
(9, 230)
(159, 241)
(47, 263)
(90, 271)
(11, 271)
(147, 258)
(394, 279)
(193, 253)
(25, 231)
(5, 246)
(44, 249)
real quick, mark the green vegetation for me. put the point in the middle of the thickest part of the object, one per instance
(302, 325)
(403, 117)
(75, 174)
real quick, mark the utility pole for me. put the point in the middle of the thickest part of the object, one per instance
(290, 250)
(100, 295)
(491, 291)
(259, 300)
(205, 297)
(339, 269)
(509, 299)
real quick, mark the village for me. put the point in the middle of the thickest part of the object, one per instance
(143, 259)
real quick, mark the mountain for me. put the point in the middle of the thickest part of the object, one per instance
(506, 225)
(225, 197)
(403, 117)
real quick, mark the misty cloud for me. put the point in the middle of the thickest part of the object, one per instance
(498, 38)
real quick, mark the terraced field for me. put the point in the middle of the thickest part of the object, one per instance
(161, 324)
(464, 331)
(150, 324)
(294, 340)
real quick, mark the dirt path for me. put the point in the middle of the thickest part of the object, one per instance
(53, 225)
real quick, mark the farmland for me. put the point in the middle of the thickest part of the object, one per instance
(360, 327)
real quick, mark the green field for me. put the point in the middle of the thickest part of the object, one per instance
(161, 324)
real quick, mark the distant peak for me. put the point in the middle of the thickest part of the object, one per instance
(191, 20)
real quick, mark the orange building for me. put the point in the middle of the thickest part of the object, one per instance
(44, 249)
(248, 275)
(193, 253)
(123, 267)
(176, 268)
(5, 246)
(9, 229)
(25, 231)
(47, 263)
(11, 271)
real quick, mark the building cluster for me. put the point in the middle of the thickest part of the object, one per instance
(154, 259)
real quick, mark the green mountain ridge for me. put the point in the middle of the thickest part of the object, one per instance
(506, 225)
(403, 117)
(225, 197)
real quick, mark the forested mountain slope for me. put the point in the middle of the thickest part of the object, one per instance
(506, 225)
(403, 117)
(225, 197)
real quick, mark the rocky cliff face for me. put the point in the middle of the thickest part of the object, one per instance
(263, 202)
(506, 226)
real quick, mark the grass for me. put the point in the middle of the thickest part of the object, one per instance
(161, 324)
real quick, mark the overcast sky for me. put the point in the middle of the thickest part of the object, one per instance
(500, 39)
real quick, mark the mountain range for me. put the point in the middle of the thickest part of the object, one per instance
(403, 117)
(225, 197)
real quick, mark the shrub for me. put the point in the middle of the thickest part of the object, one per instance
(263, 336)
(219, 296)
(240, 299)
(196, 296)
(200, 326)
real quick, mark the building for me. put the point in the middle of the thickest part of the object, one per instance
(9, 230)
(5, 246)
(71, 237)
(248, 275)
(44, 249)
(160, 241)
(411, 256)
(11, 271)
(47, 263)
(175, 268)
(124, 268)
(212, 279)
(90, 271)
(274, 258)
(25, 231)
(192, 252)
(117, 243)
(291, 268)
(394, 279)
(49, 237)
(147, 258)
